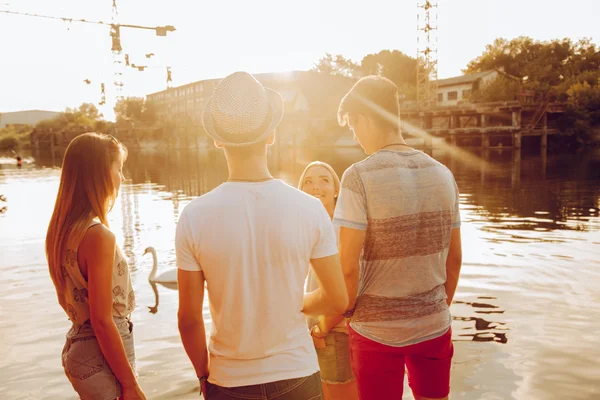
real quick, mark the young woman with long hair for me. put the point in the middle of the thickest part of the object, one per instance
(90, 274)
(330, 335)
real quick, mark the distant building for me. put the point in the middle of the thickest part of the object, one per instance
(452, 91)
(23, 118)
(310, 98)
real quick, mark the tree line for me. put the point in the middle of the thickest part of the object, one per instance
(561, 69)
(565, 70)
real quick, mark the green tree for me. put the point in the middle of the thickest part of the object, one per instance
(73, 121)
(542, 64)
(68, 121)
(394, 65)
(568, 71)
(136, 109)
(582, 116)
(90, 111)
(336, 65)
(129, 108)
(503, 88)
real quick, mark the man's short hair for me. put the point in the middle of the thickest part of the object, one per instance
(374, 97)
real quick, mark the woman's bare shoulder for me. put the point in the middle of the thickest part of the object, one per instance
(97, 239)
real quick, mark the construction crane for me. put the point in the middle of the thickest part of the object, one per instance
(115, 34)
(427, 57)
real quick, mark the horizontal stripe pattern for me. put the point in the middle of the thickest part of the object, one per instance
(371, 308)
(409, 204)
(408, 235)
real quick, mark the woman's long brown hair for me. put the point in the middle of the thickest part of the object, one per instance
(85, 192)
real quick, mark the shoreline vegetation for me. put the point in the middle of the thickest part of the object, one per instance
(565, 70)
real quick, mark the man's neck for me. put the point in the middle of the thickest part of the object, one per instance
(251, 169)
(393, 141)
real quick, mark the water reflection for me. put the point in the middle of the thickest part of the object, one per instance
(480, 323)
(485, 331)
(485, 337)
(3, 209)
(531, 236)
(478, 305)
(154, 309)
(554, 192)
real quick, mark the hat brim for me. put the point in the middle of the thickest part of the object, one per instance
(276, 105)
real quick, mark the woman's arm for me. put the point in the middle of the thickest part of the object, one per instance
(98, 250)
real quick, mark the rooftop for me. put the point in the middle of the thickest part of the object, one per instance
(462, 79)
(28, 111)
(271, 76)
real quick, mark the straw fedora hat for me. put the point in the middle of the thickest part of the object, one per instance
(242, 112)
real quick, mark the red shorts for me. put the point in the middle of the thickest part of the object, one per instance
(379, 369)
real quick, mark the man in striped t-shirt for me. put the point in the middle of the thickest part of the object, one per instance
(400, 250)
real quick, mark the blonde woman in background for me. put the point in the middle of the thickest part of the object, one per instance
(330, 335)
(90, 274)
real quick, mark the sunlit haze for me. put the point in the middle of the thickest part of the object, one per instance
(44, 62)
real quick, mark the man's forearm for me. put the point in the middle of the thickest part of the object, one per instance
(313, 305)
(452, 274)
(351, 279)
(193, 337)
(328, 322)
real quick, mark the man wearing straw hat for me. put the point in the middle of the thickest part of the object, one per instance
(252, 239)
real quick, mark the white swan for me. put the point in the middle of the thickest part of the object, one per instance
(167, 278)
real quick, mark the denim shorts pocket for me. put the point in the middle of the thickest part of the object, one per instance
(83, 358)
(334, 359)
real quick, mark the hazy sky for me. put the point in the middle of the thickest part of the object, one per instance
(43, 63)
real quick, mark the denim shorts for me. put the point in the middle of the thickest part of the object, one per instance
(85, 365)
(334, 359)
(305, 388)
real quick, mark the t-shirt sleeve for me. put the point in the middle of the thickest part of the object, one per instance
(351, 207)
(456, 212)
(326, 244)
(184, 249)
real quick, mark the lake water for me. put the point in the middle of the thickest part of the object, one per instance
(526, 314)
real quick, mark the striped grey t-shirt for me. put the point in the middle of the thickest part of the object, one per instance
(408, 204)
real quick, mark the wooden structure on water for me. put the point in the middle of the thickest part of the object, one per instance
(485, 125)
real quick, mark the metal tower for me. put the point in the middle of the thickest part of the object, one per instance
(427, 58)
(118, 66)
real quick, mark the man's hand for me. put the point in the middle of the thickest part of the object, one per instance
(331, 297)
(318, 337)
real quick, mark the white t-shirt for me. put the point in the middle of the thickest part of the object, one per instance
(254, 242)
